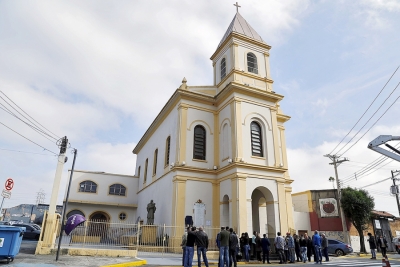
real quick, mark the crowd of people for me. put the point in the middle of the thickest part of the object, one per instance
(232, 248)
(301, 248)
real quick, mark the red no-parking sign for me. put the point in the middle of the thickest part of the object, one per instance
(9, 184)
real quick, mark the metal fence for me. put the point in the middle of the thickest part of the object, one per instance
(146, 239)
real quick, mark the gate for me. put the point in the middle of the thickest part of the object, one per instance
(161, 241)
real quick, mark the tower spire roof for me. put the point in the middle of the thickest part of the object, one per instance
(240, 25)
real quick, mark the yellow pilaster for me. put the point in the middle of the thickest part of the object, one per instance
(237, 145)
(233, 129)
(267, 69)
(181, 142)
(283, 145)
(241, 204)
(289, 207)
(178, 203)
(216, 139)
(276, 133)
(215, 205)
(282, 207)
(235, 56)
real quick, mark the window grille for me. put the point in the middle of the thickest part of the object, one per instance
(117, 189)
(252, 63)
(199, 144)
(88, 187)
(256, 140)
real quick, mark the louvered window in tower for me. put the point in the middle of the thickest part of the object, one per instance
(252, 63)
(199, 146)
(167, 149)
(256, 140)
(223, 68)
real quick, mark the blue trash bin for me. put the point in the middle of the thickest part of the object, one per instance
(10, 241)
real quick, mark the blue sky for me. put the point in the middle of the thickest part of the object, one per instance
(100, 71)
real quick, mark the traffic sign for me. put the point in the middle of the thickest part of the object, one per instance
(6, 194)
(9, 184)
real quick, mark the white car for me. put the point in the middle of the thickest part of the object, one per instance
(396, 243)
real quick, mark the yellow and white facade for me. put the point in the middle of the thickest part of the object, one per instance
(242, 175)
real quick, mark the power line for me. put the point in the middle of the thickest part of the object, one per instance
(364, 171)
(368, 122)
(374, 123)
(366, 174)
(26, 152)
(39, 131)
(58, 137)
(27, 138)
(376, 183)
(365, 110)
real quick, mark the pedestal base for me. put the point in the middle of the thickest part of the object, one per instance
(149, 234)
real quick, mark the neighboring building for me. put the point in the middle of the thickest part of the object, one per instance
(28, 213)
(319, 210)
(103, 196)
(217, 153)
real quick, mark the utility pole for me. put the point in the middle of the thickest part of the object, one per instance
(51, 222)
(395, 189)
(336, 162)
(65, 205)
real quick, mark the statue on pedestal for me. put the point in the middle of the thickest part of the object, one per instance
(151, 209)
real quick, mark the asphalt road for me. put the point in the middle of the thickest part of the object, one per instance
(26, 258)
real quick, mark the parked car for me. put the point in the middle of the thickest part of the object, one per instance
(32, 230)
(338, 247)
(396, 243)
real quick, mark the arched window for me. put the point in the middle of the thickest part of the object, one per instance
(138, 172)
(155, 162)
(88, 187)
(223, 68)
(199, 144)
(145, 171)
(256, 139)
(252, 63)
(167, 149)
(117, 189)
(74, 212)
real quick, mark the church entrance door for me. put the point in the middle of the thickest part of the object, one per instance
(263, 211)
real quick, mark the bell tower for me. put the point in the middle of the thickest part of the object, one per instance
(242, 57)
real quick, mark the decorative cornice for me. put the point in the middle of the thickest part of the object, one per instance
(241, 37)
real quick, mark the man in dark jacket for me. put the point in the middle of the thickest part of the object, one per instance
(372, 245)
(224, 248)
(265, 244)
(191, 239)
(383, 244)
(233, 245)
(202, 246)
(324, 246)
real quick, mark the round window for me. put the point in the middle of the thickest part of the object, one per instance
(122, 216)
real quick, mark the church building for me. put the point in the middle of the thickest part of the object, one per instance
(217, 152)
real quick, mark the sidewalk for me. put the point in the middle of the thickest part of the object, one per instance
(29, 260)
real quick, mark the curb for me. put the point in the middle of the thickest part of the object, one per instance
(127, 264)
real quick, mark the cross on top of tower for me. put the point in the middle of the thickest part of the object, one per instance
(237, 7)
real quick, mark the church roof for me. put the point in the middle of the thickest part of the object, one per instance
(240, 25)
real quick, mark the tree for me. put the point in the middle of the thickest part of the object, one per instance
(357, 206)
